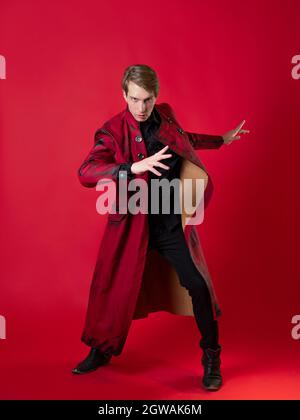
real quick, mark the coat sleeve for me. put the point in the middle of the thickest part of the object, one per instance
(100, 161)
(205, 141)
(198, 141)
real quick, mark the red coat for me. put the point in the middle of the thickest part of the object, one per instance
(128, 283)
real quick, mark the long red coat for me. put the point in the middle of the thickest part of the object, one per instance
(129, 282)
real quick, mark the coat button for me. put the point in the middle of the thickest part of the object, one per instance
(180, 130)
(141, 156)
(138, 139)
(170, 120)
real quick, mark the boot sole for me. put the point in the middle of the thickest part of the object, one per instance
(78, 372)
(83, 372)
(211, 388)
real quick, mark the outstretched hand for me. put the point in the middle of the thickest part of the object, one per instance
(148, 163)
(233, 134)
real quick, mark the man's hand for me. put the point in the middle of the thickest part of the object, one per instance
(149, 163)
(232, 134)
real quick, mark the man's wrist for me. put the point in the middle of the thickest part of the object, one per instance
(126, 167)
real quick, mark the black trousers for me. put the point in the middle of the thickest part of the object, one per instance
(171, 244)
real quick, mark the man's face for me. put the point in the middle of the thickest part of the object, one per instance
(140, 102)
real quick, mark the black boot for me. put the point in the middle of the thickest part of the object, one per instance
(212, 379)
(94, 359)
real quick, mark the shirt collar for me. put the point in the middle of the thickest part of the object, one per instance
(154, 117)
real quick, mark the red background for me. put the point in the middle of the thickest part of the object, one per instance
(218, 62)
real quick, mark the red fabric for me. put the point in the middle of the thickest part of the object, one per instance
(121, 258)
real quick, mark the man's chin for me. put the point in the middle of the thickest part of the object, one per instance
(141, 118)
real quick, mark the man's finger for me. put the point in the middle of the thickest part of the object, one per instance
(154, 171)
(163, 156)
(241, 125)
(163, 149)
(161, 165)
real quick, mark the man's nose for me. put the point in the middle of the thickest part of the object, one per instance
(142, 107)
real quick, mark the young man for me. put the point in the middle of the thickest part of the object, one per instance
(145, 142)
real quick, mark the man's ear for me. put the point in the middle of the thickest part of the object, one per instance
(124, 95)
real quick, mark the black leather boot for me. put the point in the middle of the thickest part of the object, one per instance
(94, 360)
(212, 379)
